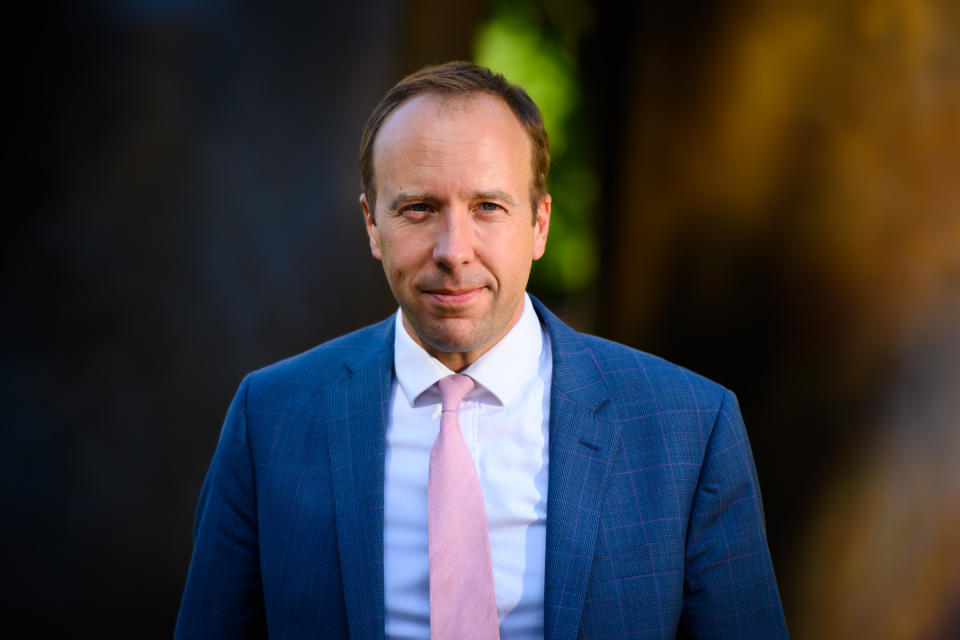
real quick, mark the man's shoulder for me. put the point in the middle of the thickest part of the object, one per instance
(641, 386)
(625, 370)
(330, 361)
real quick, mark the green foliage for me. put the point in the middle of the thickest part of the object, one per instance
(518, 43)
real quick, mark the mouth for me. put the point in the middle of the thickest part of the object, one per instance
(453, 297)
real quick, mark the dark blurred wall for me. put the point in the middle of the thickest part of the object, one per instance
(186, 192)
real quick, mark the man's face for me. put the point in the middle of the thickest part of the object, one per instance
(453, 222)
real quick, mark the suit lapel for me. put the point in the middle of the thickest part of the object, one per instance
(360, 406)
(583, 440)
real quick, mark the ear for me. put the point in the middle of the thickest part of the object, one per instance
(372, 232)
(540, 227)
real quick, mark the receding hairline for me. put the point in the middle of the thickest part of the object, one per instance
(447, 103)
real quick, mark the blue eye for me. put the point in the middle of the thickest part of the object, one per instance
(489, 206)
(415, 210)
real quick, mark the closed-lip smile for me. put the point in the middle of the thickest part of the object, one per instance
(457, 296)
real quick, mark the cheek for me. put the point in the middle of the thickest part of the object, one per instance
(400, 258)
(397, 275)
(518, 253)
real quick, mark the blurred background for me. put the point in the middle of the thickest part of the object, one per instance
(767, 193)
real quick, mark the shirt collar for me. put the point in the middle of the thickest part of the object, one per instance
(502, 370)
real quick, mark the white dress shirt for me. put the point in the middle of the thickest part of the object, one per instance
(504, 421)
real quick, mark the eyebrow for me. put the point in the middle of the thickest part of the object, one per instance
(426, 196)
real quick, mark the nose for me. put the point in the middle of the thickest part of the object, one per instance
(454, 244)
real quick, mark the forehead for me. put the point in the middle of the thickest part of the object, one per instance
(448, 132)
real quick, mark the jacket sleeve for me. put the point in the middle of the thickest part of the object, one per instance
(223, 597)
(729, 586)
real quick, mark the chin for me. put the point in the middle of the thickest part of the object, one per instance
(451, 344)
(449, 340)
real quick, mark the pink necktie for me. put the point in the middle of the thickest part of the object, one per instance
(462, 600)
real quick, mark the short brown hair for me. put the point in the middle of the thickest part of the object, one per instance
(460, 79)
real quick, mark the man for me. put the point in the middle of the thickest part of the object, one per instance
(599, 492)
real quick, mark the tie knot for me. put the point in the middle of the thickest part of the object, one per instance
(452, 390)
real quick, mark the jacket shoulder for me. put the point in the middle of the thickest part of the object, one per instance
(638, 382)
(635, 378)
(613, 357)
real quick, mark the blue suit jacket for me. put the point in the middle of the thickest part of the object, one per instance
(654, 522)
